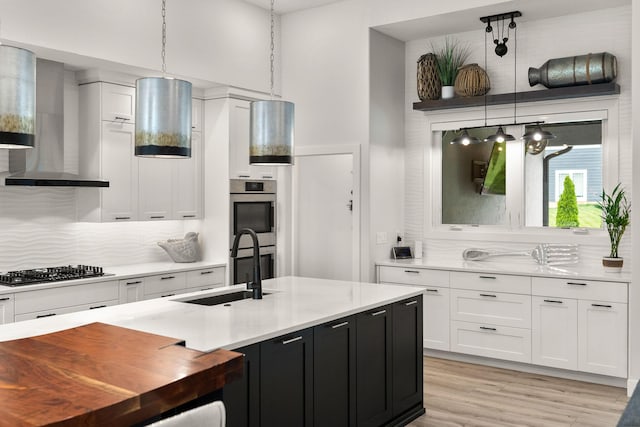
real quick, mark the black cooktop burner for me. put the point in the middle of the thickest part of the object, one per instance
(50, 274)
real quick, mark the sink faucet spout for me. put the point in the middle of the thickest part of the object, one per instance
(256, 284)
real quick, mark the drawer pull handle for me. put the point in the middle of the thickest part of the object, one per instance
(39, 316)
(411, 303)
(488, 295)
(97, 306)
(339, 325)
(487, 329)
(601, 305)
(134, 283)
(378, 313)
(167, 295)
(188, 216)
(576, 284)
(488, 277)
(123, 217)
(156, 216)
(167, 277)
(285, 342)
(432, 290)
(267, 176)
(206, 272)
(553, 301)
(412, 271)
(244, 176)
(5, 299)
(206, 289)
(122, 118)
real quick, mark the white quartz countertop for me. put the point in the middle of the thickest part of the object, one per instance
(119, 272)
(294, 303)
(514, 265)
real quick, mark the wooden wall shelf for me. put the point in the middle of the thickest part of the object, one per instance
(529, 96)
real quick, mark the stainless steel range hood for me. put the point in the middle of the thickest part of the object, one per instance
(43, 165)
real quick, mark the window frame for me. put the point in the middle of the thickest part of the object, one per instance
(604, 108)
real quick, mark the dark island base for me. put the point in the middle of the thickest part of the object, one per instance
(407, 417)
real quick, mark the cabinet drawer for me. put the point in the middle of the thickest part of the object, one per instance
(499, 342)
(118, 103)
(205, 276)
(64, 310)
(66, 296)
(493, 308)
(413, 276)
(491, 282)
(204, 287)
(580, 289)
(165, 283)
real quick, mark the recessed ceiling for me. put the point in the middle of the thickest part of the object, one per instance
(287, 6)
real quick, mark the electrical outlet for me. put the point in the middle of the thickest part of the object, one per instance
(381, 237)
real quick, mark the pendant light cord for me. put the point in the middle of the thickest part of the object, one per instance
(164, 37)
(515, 70)
(485, 69)
(271, 58)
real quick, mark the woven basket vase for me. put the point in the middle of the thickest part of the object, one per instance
(429, 85)
(472, 80)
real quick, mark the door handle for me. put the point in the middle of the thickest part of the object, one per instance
(601, 305)
(285, 342)
(339, 325)
(553, 301)
(488, 295)
(378, 313)
(487, 329)
(134, 283)
(411, 303)
(167, 277)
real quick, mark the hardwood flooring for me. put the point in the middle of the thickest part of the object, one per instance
(460, 394)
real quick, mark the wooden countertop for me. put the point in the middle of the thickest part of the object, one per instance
(100, 374)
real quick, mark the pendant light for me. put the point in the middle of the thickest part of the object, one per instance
(163, 112)
(536, 139)
(17, 97)
(271, 130)
(465, 139)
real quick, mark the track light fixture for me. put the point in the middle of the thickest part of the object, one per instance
(500, 40)
(465, 139)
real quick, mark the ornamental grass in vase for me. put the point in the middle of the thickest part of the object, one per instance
(615, 211)
(449, 59)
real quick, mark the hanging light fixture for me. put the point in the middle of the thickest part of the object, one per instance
(17, 97)
(465, 139)
(271, 132)
(163, 112)
(536, 139)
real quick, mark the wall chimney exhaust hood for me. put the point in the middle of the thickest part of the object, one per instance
(43, 165)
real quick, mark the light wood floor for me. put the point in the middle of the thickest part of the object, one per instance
(462, 394)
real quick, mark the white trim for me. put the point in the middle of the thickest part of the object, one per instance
(582, 109)
(327, 150)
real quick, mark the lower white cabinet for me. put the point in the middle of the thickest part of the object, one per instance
(602, 338)
(496, 308)
(555, 332)
(131, 290)
(499, 342)
(6, 308)
(435, 318)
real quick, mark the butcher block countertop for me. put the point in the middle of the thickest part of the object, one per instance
(104, 375)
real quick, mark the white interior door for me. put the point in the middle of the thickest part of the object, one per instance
(326, 213)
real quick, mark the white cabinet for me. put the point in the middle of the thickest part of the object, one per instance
(239, 133)
(6, 308)
(602, 337)
(554, 332)
(435, 317)
(500, 342)
(139, 188)
(131, 290)
(205, 279)
(67, 299)
(164, 285)
(495, 308)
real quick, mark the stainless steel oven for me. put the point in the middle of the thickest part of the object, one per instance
(253, 205)
(242, 265)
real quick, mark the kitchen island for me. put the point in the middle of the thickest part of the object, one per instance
(373, 362)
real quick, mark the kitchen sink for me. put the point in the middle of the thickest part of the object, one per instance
(223, 299)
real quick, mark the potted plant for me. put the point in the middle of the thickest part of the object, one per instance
(615, 212)
(449, 59)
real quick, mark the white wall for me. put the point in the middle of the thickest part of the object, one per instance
(224, 41)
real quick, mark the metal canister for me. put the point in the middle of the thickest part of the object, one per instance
(591, 68)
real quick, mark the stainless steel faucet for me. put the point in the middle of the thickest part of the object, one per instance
(256, 284)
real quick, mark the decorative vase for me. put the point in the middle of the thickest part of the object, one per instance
(472, 80)
(587, 69)
(612, 265)
(447, 92)
(428, 79)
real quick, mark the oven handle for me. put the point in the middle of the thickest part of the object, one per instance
(272, 214)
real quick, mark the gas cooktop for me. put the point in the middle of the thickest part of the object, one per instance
(49, 274)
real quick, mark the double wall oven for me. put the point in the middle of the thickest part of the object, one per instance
(253, 205)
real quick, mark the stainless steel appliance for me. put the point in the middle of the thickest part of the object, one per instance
(253, 205)
(49, 274)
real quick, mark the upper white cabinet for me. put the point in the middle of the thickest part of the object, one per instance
(239, 131)
(197, 109)
(139, 188)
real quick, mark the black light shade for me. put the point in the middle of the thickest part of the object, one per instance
(536, 139)
(500, 136)
(465, 139)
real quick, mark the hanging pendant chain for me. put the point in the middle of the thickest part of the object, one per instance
(164, 37)
(271, 58)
